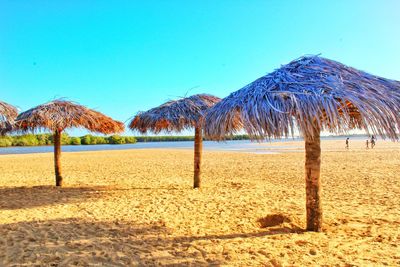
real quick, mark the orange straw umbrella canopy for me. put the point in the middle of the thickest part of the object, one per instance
(310, 94)
(59, 115)
(7, 115)
(175, 116)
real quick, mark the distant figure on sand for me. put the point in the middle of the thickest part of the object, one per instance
(367, 144)
(372, 141)
(347, 143)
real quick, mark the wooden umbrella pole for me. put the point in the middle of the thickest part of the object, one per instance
(57, 157)
(198, 148)
(313, 182)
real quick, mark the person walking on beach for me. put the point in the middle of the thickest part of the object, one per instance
(367, 143)
(372, 141)
(347, 143)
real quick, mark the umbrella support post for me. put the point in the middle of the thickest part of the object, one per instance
(313, 182)
(57, 157)
(198, 147)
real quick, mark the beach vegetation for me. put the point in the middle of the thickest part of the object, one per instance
(5, 141)
(47, 139)
(75, 141)
(25, 140)
(116, 140)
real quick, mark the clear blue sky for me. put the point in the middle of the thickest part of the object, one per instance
(121, 57)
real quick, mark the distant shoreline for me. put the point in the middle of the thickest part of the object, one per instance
(246, 146)
(39, 140)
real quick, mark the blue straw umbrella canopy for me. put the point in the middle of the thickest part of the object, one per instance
(309, 95)
(7, 115)
(176, 116)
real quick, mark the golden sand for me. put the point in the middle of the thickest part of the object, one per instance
(137, 207)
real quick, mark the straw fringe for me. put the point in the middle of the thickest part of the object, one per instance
(7, 115)
(309, 92)
(175, 115)
(60, 115)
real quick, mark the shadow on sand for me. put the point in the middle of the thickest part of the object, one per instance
(85, 243)
(30, 197)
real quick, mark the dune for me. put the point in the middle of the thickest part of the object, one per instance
(137, 207)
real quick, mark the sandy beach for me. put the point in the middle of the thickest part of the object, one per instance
(137, 207)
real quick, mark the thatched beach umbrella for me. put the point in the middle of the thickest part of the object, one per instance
(7, 115)
(310, 94)
(59, 115)
(177, 115)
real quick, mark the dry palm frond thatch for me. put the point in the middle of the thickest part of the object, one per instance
(177, 115)
(311, 94)
(7, 115)
(308, 92)
(59, 115)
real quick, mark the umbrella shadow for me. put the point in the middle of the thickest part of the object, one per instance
(73, 241)
(12, 198)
